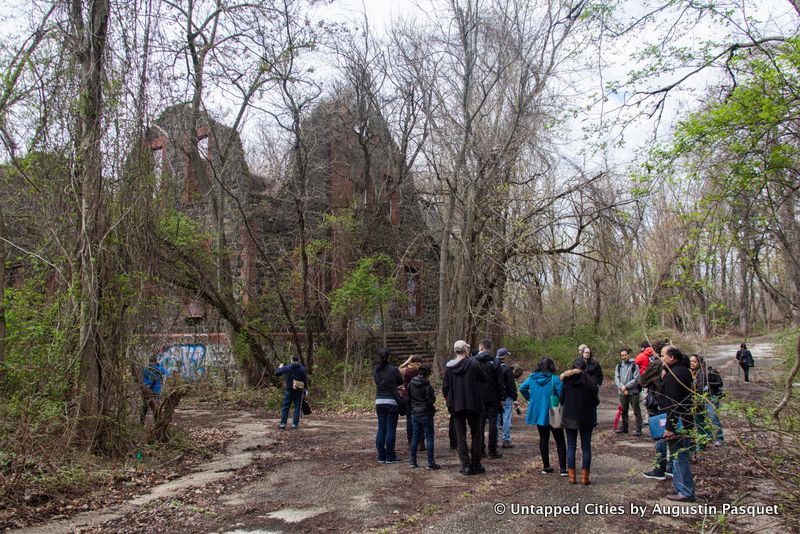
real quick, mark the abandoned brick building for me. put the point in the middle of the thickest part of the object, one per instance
(354, 199)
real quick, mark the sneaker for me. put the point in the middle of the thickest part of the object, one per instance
(465, 470)
(668, 474)
(381, 461)
(282, 427)
(564, 473)
(620, 431)
(433, 467)
(547, 470)
(508, 445)
(655, 475)
(294, 427)
(478, 469)
(395, 461)
(638, 433)
(495, 455)
(413, 465)
(718, 443)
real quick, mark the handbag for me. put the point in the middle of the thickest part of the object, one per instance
(402, 405)
(650, 400)
(306, 408)
(555, 407)
(298, 385)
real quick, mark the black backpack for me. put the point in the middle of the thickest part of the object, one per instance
(715, 383)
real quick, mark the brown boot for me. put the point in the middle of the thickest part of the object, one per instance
(585, 477)
(571, 475)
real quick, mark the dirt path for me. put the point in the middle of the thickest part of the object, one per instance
(324, 477)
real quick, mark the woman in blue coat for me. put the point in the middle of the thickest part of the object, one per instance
(537, 389)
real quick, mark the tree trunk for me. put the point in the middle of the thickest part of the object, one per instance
(89, 56)
(3, 254)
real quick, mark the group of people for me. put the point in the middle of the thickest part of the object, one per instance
(480, 390)
(682, 399)
(683, 396)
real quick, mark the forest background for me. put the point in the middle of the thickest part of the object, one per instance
(598, 172)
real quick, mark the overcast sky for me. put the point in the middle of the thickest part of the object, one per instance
(776, 16)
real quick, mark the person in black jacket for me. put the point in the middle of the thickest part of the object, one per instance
(460, 387)
(651, 379)
(492, 393)
(387, 379)
(296, 387)
(421, 406)
(745, 359)
(678, 398)
(409, 369)
(594, 372)
(580, 400)
(510, 391)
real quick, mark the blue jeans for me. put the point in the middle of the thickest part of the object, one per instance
(421, 424)
(508, 409)
(711, 411)
(291, 396)
(682, 479)
(586, 446)
(387, 430)
(661, 455)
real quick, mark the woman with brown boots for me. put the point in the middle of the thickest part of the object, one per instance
(579, 395)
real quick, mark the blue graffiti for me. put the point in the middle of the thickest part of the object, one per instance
(187, 359)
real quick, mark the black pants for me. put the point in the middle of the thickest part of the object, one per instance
(156, 399)
(746, 369)
(544, 445)
(471, 457)
(451, 432)
(490, 411)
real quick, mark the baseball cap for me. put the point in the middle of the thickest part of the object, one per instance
(503, 352)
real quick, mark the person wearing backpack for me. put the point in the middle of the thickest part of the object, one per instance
(421, 399)
(492, 393)
(626, 379)
(409, 370)
(654, 402)
(510, 375)
(296, 387)
(707, 401)
(745, 359)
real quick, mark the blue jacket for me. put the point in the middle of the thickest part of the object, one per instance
(537, 390)
(153, 376)
(293, 371)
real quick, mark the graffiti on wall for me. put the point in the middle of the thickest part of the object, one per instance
(188, 359)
